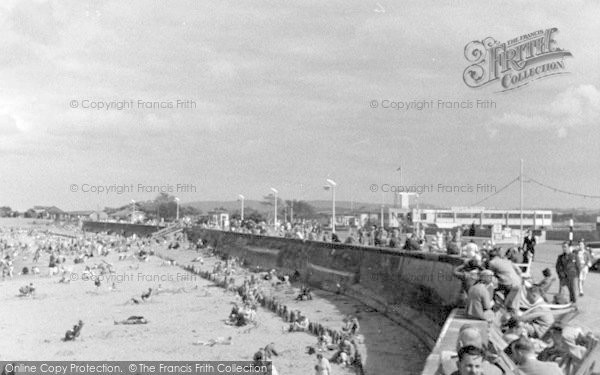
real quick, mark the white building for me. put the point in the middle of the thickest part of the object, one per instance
(459, 216)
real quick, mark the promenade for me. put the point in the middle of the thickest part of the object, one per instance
(589, 305)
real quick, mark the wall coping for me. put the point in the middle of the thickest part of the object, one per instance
(434, 257)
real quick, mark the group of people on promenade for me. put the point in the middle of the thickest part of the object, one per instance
(535, 326)
(367, 235)
(444, 241)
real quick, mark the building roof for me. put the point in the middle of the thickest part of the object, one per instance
(48, 209)
(81, 213)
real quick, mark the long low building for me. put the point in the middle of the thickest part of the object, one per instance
(459, 216)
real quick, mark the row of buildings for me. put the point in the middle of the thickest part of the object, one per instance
(449, 218)
(55, 213)
(391, 217)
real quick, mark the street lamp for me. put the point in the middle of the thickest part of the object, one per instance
(418, 226)
(275, 200)
(333, 185)
(177, 200)
(242, 199)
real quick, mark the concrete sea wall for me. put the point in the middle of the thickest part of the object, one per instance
(415, 289)
(119, 228)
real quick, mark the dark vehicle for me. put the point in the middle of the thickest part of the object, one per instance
(594, 248)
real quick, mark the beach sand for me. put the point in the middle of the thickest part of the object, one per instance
(187, 310)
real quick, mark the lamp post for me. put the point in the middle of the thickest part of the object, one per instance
(418, 226)
(177, 200)
(241, 198)
(275, 204)
(333, 185)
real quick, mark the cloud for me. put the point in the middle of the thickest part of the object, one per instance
(35, 20)
(575, 107)
(8, 125)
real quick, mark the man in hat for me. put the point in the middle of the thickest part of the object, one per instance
(479, 299)
(468, 274)
(567, 269)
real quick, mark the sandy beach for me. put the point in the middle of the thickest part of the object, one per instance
(184, 311)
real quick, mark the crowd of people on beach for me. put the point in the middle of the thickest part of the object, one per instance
(534, 325)
(496, 288)
(332, 346)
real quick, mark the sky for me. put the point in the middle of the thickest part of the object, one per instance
(286, 94)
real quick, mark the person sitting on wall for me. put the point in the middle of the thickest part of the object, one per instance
(469, 335)
(470, 361)
(335, 238)
(394, 239)
(350, 240)
(479, 300)
(411, 243)
(468, 274)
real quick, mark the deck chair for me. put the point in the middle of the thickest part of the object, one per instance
(525, 269)
(498, 343)
(586, 366)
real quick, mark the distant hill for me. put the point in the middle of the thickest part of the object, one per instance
(230, 206)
